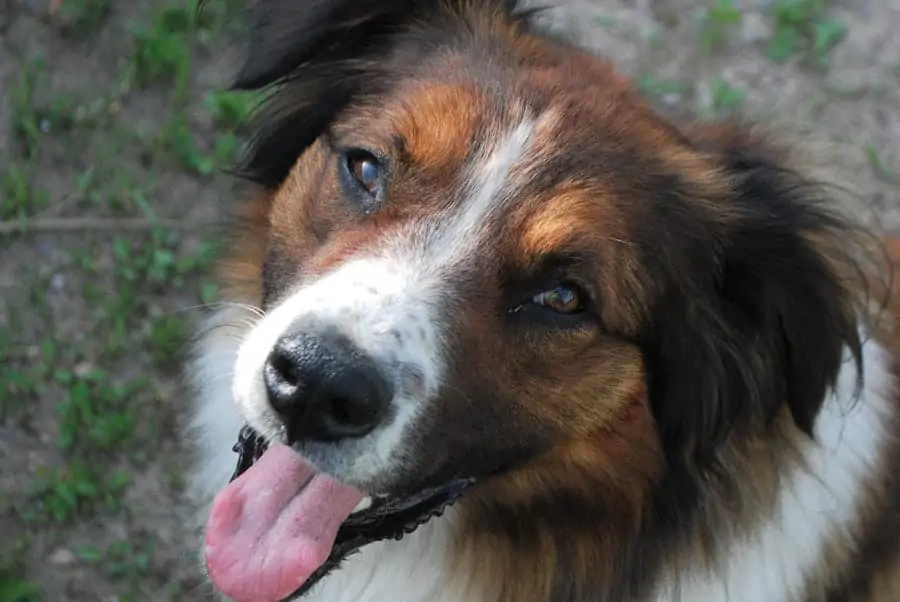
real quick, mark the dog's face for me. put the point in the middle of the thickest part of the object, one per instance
(484, 250)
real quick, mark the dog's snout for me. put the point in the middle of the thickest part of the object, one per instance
(324, 388)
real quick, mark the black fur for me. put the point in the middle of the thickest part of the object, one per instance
(754, 315)
(334, 51)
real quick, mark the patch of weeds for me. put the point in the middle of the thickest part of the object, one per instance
(718, 21)
(149, 266)
(225, 149)
(19, 196)
(215, 18)
(209, 292)
(30, 121)
(166, 338)
(126, 196)
(230, 109)
(157, 265)
(178, 139)
(161, 52)
(657, 88)
(14, 587)
(803, 26)
(95, 415)
(59, 494)
(26, 127)
(18, 384)
(724, 98)
(879, 169)
(604, 21)
(83, 16)
(121, 560)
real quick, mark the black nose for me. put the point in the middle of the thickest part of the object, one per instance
(324, 388)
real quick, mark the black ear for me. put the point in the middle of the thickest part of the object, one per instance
(759, 313)
(318, 54)
(286, 34)
(321, 55)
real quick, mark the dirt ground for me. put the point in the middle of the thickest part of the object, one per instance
(112, 136)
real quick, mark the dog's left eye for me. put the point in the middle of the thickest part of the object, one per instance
(366, 171)
(564, 298)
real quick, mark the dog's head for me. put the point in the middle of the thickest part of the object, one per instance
(483, 254)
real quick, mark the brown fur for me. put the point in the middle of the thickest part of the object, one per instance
(607, 491)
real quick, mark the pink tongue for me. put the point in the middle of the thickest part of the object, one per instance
(273, 526)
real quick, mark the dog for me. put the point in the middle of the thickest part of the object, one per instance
(497, 329)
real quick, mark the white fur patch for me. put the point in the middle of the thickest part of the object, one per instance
(390, 303)
(415, 569)
(215, 420)
(386, 310)
(405, 571)
(814, 503)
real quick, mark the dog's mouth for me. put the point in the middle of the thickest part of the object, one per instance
(280, 526)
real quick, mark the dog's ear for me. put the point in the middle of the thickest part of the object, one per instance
(318, 54)
(321, 55)
(762, 312)
(285, 34)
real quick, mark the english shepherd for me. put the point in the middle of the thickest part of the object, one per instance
(498, 330)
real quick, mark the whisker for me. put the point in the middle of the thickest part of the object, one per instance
(257, 311)
(620, 241)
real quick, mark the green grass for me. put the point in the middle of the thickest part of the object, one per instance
(16, 589)
(19, 380)
(83, 17)
(803, 27)
(80, 488)
(658, 88)
(92, 363)
(14, 586)
(19, 196)
(799, 28)
(121, 560)
(881, 171)
(718, 22)
(161, 52)
(725, 99)
(126, 562)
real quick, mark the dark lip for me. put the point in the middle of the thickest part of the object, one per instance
(387, 518)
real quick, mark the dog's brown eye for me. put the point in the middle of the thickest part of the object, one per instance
(365, 170)
(564, 298)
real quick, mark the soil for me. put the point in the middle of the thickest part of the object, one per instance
(106, 112)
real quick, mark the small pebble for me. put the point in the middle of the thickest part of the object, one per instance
(57, 282)
(755, 28)
(62, 557)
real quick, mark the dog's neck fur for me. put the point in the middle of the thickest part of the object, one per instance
(814, 504)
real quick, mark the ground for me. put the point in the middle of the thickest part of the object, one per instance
(113, 137)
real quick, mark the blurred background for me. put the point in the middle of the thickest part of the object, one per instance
(113, 135)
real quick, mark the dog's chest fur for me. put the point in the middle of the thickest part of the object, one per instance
(411, 570)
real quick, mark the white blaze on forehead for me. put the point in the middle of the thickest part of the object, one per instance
(486, 190)
(389, 303)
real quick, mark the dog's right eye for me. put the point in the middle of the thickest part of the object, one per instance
(565, 298)
(566, 305)
(365, 170)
